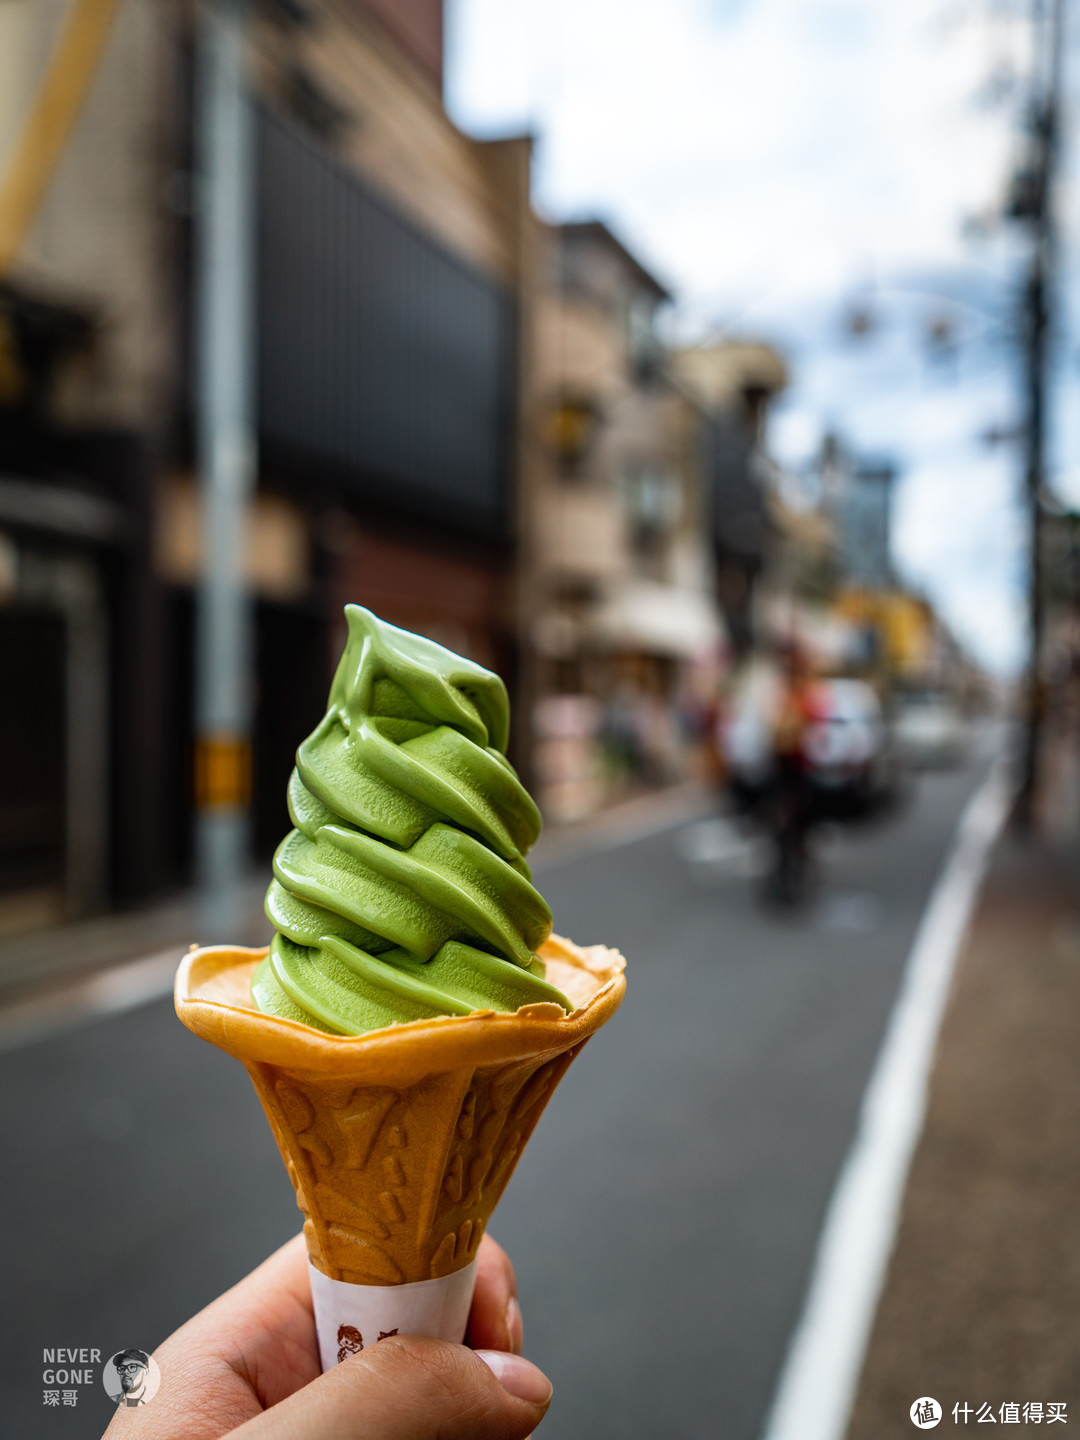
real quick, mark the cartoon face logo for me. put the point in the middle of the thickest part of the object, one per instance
(350, 1341)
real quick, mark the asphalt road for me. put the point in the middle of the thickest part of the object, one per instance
(664, 1216)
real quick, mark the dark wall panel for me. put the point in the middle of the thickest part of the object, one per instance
(381, 355)
(32, 744)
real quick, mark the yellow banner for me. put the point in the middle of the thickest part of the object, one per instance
(55, 109)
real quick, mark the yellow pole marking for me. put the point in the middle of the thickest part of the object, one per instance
(222, 772)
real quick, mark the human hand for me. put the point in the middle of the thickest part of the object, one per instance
(248, 1367)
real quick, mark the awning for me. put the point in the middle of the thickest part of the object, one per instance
(662, 619)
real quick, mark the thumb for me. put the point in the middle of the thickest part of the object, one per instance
(409, 1388)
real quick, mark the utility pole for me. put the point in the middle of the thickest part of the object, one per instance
(226, 456)
(1033, 203)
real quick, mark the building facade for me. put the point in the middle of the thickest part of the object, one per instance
(616, 586)
(387, 258)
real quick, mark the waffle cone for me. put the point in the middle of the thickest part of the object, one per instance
(400, 1142)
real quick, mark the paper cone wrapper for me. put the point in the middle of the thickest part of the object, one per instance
(400, 1142)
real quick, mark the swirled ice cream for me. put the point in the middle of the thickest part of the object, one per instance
(403, 891)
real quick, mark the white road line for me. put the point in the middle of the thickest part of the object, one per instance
(817, 1385)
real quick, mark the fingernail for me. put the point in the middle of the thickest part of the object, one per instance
(514, 1328)
(517, 1376)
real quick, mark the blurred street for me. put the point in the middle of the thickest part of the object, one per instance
(664, 1216)
(677, 402)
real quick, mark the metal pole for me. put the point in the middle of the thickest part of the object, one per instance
(226, 457)
(1038, 300)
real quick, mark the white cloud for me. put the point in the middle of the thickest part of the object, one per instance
(785, 147)
(769, 157)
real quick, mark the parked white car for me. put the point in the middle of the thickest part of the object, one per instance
(847, 750)
(850, 734)
(929, 729)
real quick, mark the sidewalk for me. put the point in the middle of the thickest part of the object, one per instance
(981, 1303)
(41, 960)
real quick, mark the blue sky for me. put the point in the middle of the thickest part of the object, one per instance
(778, 163)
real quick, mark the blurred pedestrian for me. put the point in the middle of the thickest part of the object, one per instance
(791, 799)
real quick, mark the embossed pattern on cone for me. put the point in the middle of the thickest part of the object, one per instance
(400, 1142)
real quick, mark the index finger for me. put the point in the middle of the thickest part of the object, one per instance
(495, 1318)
